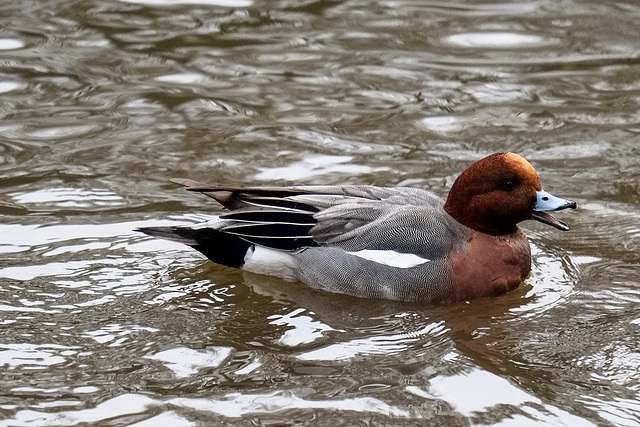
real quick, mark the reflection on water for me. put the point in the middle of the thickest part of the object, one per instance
(477, 391)
(184, 361)
(102, 102)
(495, 40)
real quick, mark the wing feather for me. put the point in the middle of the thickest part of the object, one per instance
(266, 216)
(353, 217)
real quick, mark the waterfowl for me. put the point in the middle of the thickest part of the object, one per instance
(398, 243)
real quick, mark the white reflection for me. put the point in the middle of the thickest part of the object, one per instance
(70, 197)
(6, 249)
(166, 419)
(98, 301)
(444, 124)
(551, 283)
(386, 344)
(85, 389)
(304, 330)
(480, 391)
(184, 78)
(615, 363)
(8, 86)
(620, 412)
(52, 132)
(477, 391)
(31, 356)
(237, 405)
(314, 166)
(77, 248)
(341, 143)
(185, 361)
(10, 44)
(17, 237)
(11, 308)
(101, 278)
(498, 93)
(57, 404)
(30, 272)
(496, 39)
(120, 406)
(224, 3)
(255, 364)
(115, 333)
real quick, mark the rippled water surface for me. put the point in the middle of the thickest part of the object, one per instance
(102, 101)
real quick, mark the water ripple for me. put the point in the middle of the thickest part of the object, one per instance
(103, 101)
(236, 405)
(10, 44)
(185, 361)
(501, 40)
(225, 3)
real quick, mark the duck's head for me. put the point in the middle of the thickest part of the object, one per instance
(494, 194)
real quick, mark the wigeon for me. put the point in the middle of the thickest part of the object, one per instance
(396, 243)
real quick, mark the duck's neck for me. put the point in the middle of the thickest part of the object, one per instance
(477, 219)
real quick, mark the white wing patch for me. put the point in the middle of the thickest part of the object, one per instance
(270, 262)
(390, 258)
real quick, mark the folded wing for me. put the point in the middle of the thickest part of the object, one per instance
(353, 218)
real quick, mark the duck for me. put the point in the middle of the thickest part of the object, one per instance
(396, 243)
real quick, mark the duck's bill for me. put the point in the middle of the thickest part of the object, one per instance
(550, 220)
(549, 202)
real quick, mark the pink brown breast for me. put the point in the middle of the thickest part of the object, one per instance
(489, 265)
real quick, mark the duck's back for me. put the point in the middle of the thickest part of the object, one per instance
(363, 241)
(374, 242)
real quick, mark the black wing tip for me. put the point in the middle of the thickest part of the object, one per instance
(183, 235)
(192, 185)
(156, 231)
(147, 230)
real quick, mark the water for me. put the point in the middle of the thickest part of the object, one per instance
(102, 102)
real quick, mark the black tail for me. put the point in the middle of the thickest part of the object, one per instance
(221, 248)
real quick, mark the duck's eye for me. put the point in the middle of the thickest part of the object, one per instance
(508, 185)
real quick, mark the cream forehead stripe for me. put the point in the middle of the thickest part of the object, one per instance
(521, 164)
(390, 258)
